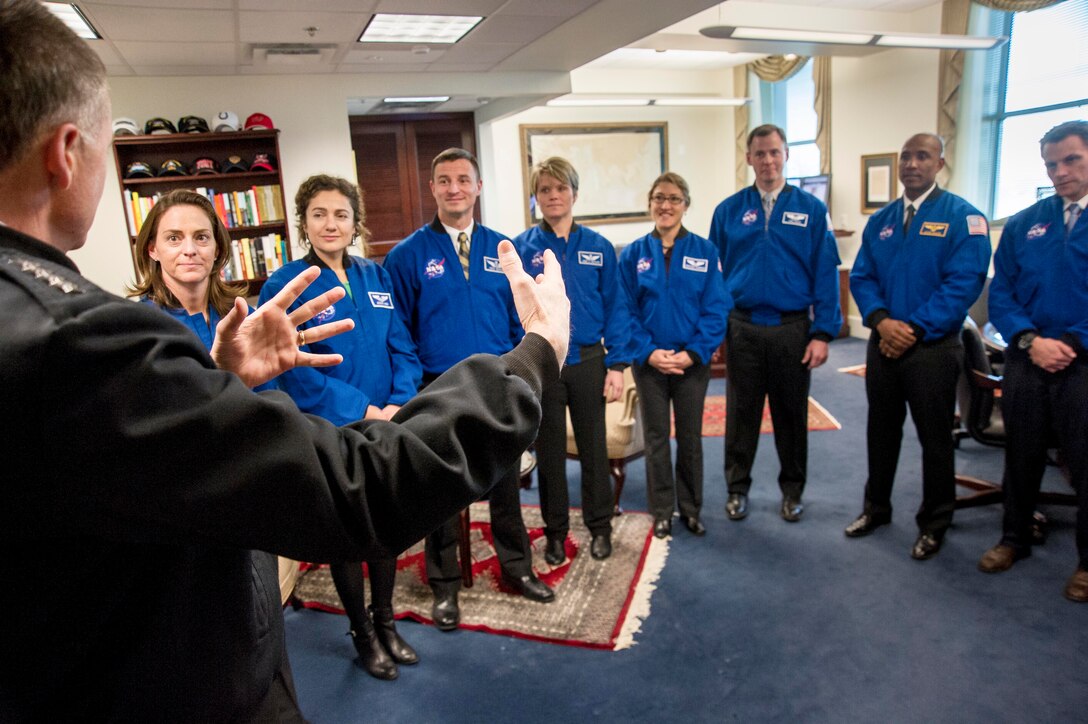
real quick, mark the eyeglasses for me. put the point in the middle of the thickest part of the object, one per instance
(659, 199)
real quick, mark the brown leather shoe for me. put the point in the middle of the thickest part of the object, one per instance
(1077, 588)
(999, 558)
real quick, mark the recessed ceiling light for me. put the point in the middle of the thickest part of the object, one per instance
(73, 17)
(386, 28)
(416, 99)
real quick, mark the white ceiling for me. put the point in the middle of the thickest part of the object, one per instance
(277, 37)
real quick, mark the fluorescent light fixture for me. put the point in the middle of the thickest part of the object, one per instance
(699, 101)
(387, 28)
(73, 17)
(416, 99)
(583, 102)
(786, 35)
(949, 42)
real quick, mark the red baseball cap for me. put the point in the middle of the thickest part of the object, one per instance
(259, 120)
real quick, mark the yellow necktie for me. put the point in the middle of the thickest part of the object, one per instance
(462, 251)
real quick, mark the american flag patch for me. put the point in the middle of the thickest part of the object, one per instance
(977, 225)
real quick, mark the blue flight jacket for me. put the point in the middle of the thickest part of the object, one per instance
(930, 278)
(787, 263)
(380, 366)
(1041, 276)
(597, 310)
(451, 318)
(205, 330)
(684, 309)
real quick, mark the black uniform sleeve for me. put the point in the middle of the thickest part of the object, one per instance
(149, 443)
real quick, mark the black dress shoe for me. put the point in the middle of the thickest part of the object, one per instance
(555, 551)
(792, 508)
(926, 546)
(663, 528)
(601, 546)
(736, 507)
(864, 525)
(692, 523)
(372, 655)
(445, 612)
(529, 586)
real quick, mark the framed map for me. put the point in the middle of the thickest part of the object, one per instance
(616, 163)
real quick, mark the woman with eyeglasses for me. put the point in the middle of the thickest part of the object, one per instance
(673, 285)
(380, 372)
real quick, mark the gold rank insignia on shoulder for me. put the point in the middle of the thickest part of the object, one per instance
(32, 268)
(933, 228)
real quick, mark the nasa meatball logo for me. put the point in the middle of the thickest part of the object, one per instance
(886, 232)
(325, 314)
(1038, 230)
(537, 260)
(644, 264)
(435, 268)
(750, 217)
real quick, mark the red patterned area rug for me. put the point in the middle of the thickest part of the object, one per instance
(714, 417)
(856, 370)
(598, 604)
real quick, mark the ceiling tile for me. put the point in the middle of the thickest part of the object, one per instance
(382, 56)
(561, 8)
(446, 7)
(276, 27)
(163, 4)
(125, 23)
(481, 53)
(203, 55)
(306, 6)
(183, 70)
(382, 68)
(512, 29)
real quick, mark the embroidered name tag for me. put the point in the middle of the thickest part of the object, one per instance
(693, 264)
(794, 218)
(977, 225)
(491, 264)
(933, 228)
(591, 258)
(381, 300)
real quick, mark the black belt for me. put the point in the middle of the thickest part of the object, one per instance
(745, 315)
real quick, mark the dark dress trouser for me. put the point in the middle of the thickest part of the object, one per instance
(581, 387)
(923, 379)
(765, 362)
(1040, 407)
(507, 532)
(687, 394)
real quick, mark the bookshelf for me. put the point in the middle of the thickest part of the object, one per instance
(251, 203)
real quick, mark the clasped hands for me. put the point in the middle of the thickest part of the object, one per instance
(261, 345)
(896, 337)
(670, 362)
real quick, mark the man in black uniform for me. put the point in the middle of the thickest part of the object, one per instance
(140, 479)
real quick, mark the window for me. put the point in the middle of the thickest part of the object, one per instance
(791, 106)
(1038, 80)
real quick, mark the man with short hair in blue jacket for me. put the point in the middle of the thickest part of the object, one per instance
(780, 262)
(456, 302)
(922, 263)
(1039, 303)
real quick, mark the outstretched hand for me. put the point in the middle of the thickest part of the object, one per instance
(542, 304)
(264, 344)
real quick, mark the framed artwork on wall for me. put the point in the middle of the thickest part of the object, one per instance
(879, 179)
(616, 163)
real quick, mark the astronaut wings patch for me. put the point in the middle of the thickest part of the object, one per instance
(694, 264)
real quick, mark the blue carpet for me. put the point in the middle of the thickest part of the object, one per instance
(768, 621)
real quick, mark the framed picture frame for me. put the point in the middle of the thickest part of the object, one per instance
(879, 180)
(616, 163)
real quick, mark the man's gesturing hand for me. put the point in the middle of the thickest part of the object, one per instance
(542, 303)
(264, 344)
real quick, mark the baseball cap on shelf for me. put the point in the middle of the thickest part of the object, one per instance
(125, 127)
(192, 124)
(258, 121)
(138, 169)
(263, 162)
(159, 126)
(205, 165)
(235, 164)
(226, 121)
(173, 167)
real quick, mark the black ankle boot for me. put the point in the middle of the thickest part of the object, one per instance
(373, 656)
(386, 629)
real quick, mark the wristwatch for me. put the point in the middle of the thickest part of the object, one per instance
(1024, 340)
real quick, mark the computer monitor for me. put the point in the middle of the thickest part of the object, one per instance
(818, 186)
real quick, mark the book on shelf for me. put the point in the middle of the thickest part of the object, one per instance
(255, 258)
(235, 208)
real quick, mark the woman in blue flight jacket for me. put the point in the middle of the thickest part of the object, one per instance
(676, 296)
(180, 253)
(380, 372)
